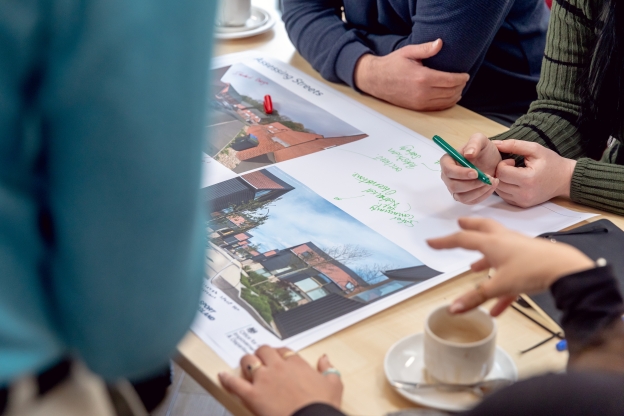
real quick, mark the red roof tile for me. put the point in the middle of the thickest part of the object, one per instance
(259, 180)
(313, 147)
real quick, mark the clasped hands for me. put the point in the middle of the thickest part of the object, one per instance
(546, 174)
(400, 78)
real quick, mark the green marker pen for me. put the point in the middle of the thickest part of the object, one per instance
(460, 159)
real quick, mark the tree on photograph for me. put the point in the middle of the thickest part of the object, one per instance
(344, 254)
(254, 213)
(374, 274)
(266, 297)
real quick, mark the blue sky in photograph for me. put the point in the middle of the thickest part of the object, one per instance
(302, 215)
(287, 103)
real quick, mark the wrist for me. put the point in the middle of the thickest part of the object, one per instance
(568, 172)
(363, 74)
(578, 262)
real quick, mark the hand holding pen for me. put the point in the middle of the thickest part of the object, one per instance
(462, 182)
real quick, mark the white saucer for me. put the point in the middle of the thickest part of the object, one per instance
(260, 21)
(404, 362)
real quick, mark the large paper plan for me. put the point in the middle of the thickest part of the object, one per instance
(318, 213)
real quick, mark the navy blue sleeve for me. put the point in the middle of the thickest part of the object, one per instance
(323, 39)
(467, 29)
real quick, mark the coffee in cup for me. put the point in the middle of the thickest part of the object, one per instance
(459, 349)
(233, 12)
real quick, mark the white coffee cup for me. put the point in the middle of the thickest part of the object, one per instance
(459, 349)
(233, 12)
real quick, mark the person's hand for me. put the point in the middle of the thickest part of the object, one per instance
(545, 176)
(278, 382)
(401, 79)
(462, 182)
(522, 264)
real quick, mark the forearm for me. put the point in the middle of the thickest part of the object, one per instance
(334, 47)
(453, 21)
(323, 39)
(552, 118)
(599, 185)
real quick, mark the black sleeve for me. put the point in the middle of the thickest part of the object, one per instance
(590, 302)
(318, 409)
(574, 394)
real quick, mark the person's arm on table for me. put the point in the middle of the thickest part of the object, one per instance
(389, 66)
(559, 166)
(592, 307)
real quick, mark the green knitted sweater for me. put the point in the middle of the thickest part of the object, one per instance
(552, 118)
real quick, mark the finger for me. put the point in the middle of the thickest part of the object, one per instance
(289, 355)
(268, 355)
(480, 265)
(476, 195)
(445, 79)
(475, 145)
(508, 188)
(421, 51)
(459, 186)
(473, 298)
(490, 189)
(508, 162)
(324, 365)
(502, 304)
(509, 198)
(517, 147)
(480, 224)
(236, 385)
(470, 240)
(437, 104)
(250, 363)
(452, 170)
(447, 92)
(512, 175)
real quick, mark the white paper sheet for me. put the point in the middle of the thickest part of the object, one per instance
(380, 194)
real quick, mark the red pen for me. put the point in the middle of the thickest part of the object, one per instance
(268, 104)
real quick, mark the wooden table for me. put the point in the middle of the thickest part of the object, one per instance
(358, 351)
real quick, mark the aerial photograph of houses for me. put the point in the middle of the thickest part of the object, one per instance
(292, 259)
(242, 136)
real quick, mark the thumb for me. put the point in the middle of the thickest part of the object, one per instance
(422, 51)
(475, 145)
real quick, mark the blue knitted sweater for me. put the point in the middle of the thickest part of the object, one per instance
(499, 43)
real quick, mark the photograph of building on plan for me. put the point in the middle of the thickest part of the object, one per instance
(292, 259)
(243, 137)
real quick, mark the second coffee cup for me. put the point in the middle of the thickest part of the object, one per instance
(459, 349)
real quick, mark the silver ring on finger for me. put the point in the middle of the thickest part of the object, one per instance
(331, 370)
